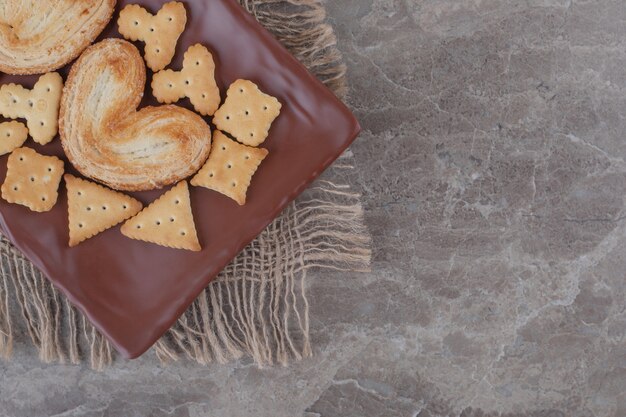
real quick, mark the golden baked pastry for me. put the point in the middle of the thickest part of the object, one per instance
(43, 35)
(108, 140)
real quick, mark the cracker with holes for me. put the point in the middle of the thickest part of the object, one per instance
(230, 168)
(168, 221)
(92, 208)
(39, 106)
(12, 136)
(160, 32)
(32, 179)
(247, 113)
(196, 81)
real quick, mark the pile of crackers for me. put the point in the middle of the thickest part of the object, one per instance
(243, 122)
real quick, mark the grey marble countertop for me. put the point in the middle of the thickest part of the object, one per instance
(493, 173)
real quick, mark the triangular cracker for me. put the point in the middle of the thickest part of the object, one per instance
(247, 113)
(93, 208)
(32, 179)
(230, 167)
(168, 221)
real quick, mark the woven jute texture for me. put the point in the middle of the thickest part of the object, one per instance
(258, 305)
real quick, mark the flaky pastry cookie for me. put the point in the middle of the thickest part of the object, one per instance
(42, 36)
(108, 140)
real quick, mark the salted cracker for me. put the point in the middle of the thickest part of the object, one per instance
(196, 81)
(93, 208)
(160, 32)
(32, 179)
(168, 221)
(39, 106)
(12, 136)
(230, 168)
(247, 113)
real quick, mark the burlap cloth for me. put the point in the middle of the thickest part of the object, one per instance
(258, 304)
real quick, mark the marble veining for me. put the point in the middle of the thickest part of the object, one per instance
(492, 165)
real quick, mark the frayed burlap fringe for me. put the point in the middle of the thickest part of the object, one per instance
(257, 306)
(300, 26)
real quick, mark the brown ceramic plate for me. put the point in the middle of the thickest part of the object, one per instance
(134, 291)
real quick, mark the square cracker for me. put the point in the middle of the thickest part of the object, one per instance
(230, 168)
(247, 113)
(168, 221)
(32, 179)
(93, 208)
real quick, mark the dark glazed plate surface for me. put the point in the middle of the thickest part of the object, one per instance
(134, 291)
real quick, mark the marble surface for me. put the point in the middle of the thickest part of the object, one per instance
(493, 169)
